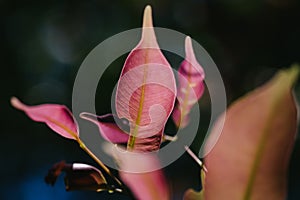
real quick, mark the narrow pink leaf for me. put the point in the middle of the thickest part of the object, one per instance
(57, 117)
(191, 86)
(250, 159)
(146, 91)
(108, 128)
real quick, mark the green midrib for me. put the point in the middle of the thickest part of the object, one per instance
(132, 137)
(285, 80)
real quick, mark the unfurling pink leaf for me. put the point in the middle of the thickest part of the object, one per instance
(57, 117)
(146, 91)
(191, 86)
(108, 128)
(251, 157)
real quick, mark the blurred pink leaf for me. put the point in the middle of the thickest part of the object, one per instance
(108, 128)
(250, 159)
(136, 171)
(147, 186)
(191, 86)
(146, 91)
(57, 117)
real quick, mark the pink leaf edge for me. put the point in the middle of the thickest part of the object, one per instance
(108, 128)
(58, 117)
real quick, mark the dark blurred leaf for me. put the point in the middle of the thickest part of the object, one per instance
(80, 177)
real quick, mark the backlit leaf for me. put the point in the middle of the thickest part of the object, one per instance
(146, 91)
(251, 157)
(58, 117)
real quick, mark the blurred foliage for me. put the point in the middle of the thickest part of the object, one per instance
(44, 42)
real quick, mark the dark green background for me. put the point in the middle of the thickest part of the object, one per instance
(44, 42)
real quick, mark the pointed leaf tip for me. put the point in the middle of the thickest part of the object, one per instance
(189, 52)
(190, 57)
(148, 35)
(58, 117)
(15, 102)
(147, 21)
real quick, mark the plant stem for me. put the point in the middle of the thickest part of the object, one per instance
(200, 163)
(82, 146)
(99, 162)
